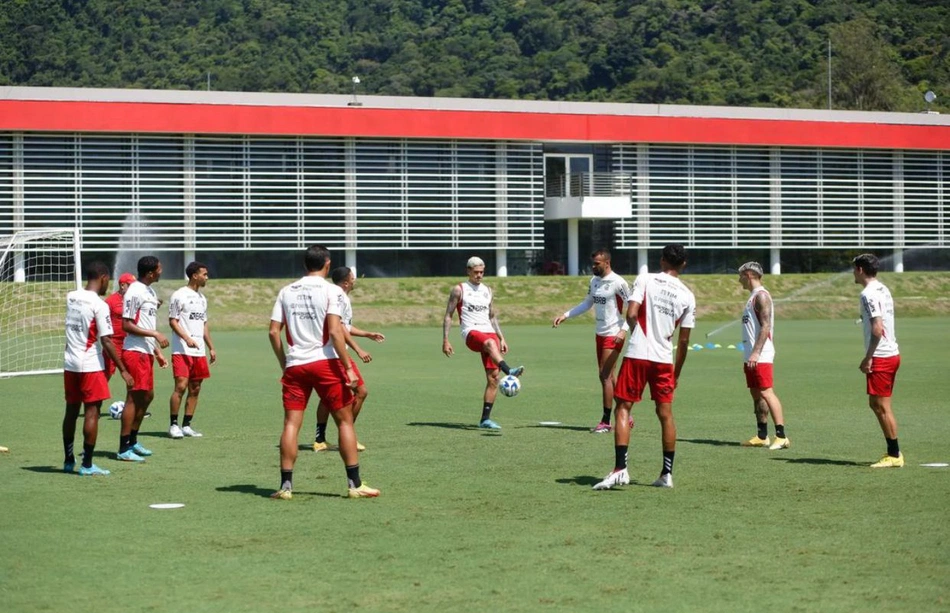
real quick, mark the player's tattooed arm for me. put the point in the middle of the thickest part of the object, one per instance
(764, 313)
(454, 296)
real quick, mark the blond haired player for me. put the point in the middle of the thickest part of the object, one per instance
(758, 322)
(315, 359)
(659, 303)
(881, 355)
(478, 320)
(607, 293)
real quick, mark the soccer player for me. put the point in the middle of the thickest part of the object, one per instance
(758, 321)
(881, 356)
(658, 304)
(142, 347)
(478, 320)
(87, 321)
(115, 302)
(343, 277)
(188, 318)
(608, 293)
(315, 358)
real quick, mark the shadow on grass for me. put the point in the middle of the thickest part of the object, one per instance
(45, 469)
(580, 480)
(819, 461)
(455, 426)
(709, 441)
(263, 492)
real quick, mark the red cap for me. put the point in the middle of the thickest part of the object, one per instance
(127, 277)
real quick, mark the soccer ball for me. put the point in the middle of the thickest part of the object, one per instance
(115, 409)
(510, 386)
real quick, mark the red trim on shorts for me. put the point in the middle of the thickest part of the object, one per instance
(476, 340)
(760, 377)
(191, 367)
(85, 387)
(636, 374)
(880, 381)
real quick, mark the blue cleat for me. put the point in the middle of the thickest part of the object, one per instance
(142, 451)
(516, 371)
(92, 471)
(129, 456)
(489, 425)
(69, 466)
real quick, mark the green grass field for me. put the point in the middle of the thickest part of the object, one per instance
(473, 521)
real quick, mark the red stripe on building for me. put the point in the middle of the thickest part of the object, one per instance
(164, 118)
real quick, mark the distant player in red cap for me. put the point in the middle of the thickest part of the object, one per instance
(115, 314)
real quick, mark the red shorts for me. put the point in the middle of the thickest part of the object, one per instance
(608, 343)
(190, 367)
(141, 367)
(85, 387)
(359, 375)
(476, 342)
(758, 378)
(109, 364)
(881, 377)
(634, 376)
(327, 377)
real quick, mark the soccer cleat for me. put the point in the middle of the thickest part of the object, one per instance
(489, 425)
(601, 428)
(189, 431)
(68, 467)
(129, 456)
(4, 449)
(147, 414)
(755, 441)
(617, 477)
(142, 451)
(175, 431)
(360, 446)
(517, 371)
(363, 491)
(282, 495)
(890, 461)
(780, 443)
(92, 471)
(664, 480)
(320, 446)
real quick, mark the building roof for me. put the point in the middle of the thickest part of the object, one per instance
(198, 112)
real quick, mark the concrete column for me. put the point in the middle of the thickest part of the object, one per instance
(19, 210)
(189, 204)
(774, 256)
(189, 257)
(501, 258)
(351, 261)
(19, 267)
(573, 259)
(899, 260)
(643, 262)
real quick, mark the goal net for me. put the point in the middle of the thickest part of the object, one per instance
(37, 269)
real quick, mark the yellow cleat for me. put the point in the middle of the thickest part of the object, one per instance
(282, 495)
(360, 446)
(780, 443)
(363, 491)
(320, 447)
(755, 441)
(890, 462)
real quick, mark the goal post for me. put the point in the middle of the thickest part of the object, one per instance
(37, 269)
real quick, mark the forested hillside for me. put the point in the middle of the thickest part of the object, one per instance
(885, 53)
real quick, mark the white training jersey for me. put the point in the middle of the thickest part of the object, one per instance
(751, 329)
(87, 320)
(473, 307)
(303, 307)
(665, 303)
(190, 308)
(876, 301)
(608, 295)
(140, 304)
(347, 315)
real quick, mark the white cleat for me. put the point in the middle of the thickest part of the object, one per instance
(617, 477)
(188, 431)
(175, 432)
(664, 481)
